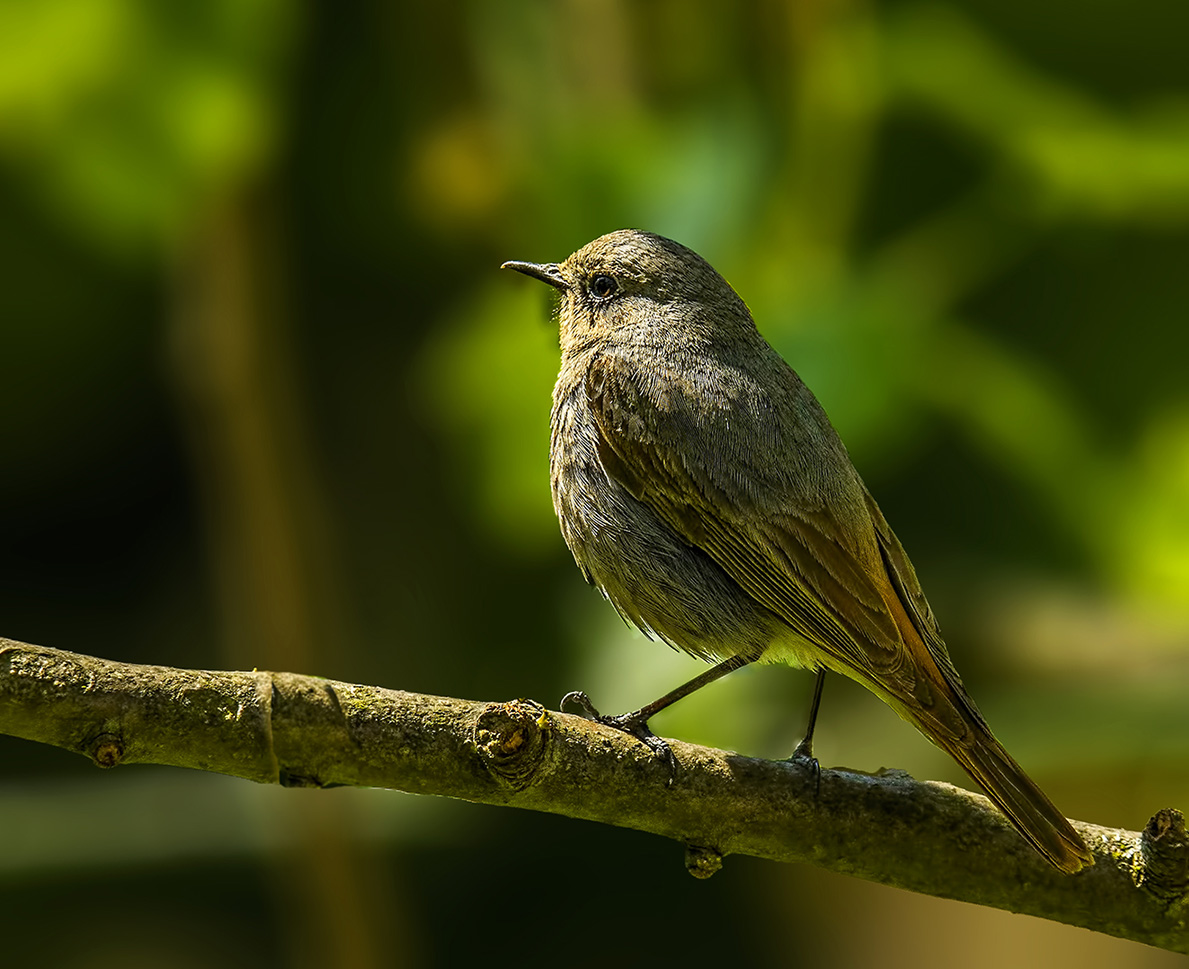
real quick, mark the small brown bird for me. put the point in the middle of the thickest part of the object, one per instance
(700, 485)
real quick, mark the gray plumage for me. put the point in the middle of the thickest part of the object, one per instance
(700, 485)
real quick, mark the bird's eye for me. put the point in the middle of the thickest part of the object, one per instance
(603, 286)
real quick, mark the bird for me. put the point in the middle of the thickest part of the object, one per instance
(700, 485)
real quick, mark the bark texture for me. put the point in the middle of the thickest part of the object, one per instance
(284, 728)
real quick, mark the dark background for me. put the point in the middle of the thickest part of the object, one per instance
(268, 402)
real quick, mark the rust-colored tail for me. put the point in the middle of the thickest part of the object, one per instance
(932, 698)
(1017, 796)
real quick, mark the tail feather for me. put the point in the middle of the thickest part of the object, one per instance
(929, 694)
(1018, 797)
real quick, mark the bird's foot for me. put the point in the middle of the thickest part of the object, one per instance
(635, 724)
(803, 758)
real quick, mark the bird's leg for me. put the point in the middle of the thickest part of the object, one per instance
(636, 723)
(803, 753)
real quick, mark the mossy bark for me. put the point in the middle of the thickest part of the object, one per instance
(294, 730)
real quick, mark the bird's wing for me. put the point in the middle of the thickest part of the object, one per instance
(909, 593)
(845, 586)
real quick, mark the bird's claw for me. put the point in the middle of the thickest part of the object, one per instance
(629, 723)
(578, 698)
(803, 757)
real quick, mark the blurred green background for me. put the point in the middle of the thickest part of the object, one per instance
(269, 403)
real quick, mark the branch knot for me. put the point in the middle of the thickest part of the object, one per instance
(511, 739)
(106, 750)
(1163, 865)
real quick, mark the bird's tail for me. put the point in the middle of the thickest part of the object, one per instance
(1016, 795)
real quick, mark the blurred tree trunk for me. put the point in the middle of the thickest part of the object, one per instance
(271, 547)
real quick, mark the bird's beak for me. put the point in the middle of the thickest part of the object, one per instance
(548, 272)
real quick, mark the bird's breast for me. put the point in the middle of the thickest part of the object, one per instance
(654, 578)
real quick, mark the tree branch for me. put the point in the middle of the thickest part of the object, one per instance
(297, 730)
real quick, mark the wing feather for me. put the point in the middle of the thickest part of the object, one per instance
(797, 559)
